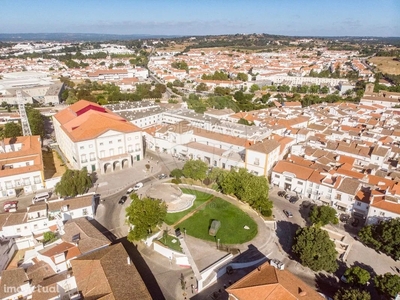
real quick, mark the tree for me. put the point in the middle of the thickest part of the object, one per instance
(12, 130)
(315, 249)
(254, 88)
(36, 122)
(48, 236)
(384, 237)
(202, 87)
(73, 182)
(144, 215)
(177, 173)
(357, 275)
(195, 169)
(351, 294)
(322, 215)
(242, 76)
(388, 284)
(325, 90)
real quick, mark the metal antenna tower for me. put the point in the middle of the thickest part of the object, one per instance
(26, 129)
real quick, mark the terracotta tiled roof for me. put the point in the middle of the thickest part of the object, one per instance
(88, 237)
(39, 271)
(269, 283)
(106, 274)
(266, 146)
(301, 172)
(86, 120)
(70, 251)
(12, 278)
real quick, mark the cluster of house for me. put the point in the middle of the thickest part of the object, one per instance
(79, 263)
(266, 68)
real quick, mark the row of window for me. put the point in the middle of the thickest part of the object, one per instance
(22, 182)
(109, 142)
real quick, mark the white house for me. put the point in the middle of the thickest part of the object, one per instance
(93, 137)
(21, 166)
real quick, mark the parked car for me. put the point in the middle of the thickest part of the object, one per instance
(162, 176)
(293, 199)
(130, 190)
(10, 206)
(138, 186)
(122, 200)
(287, 213)
(281, 193)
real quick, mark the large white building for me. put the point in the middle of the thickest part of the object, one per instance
(93, 137)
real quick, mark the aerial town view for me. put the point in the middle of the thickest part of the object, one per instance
(205, 150)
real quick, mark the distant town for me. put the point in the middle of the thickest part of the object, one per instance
(206, 167)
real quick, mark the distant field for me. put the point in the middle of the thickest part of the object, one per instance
(386, 64)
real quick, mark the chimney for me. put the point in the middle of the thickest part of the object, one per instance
(302, 293)
(128, 260)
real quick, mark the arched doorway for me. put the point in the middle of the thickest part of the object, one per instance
(125, 164)
(107, 167)
(116, 165)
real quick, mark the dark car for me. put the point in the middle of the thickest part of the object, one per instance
(293, 199)
(355, 222)
(122, 200)
(281, 193)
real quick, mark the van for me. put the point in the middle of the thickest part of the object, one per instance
(40, 197)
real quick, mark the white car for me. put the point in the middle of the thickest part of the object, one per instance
(138, 186)
(130, 190)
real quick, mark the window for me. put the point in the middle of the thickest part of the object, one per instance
(317, 186)
(101, 144)
(92, 157)
(8, 185)
(119, 150)
(35, 226)
(83, 158)
(311, 184)
(382, 213)
(84, 211)
(119, 141)
(338, 197)
(277, 176)
(110, 142)
(27, 163)
(288, 179)
(111, 152)
(18, 229)
(81, 147)
(130, 148)
(137, 147)
(17, 182)
(299, 183)
(102, 153)
(329, 190)
(129, 138)
(358, 203)
(36, 179)
(256, 161)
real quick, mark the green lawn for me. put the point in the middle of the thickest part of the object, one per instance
(200, 199)
(232, 222)
(168, 242)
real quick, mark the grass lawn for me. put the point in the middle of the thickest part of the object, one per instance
(168, 242)
(201, 197)
(232, 222)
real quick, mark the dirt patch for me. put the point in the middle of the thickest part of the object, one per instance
(386, 64)
(53, 165)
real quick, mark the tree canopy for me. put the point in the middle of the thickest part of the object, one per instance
(357, 275)
(351, 294)
(36, 122)
(388, 284)
(384, 237)
(73, 183)
(12, 130)
(144, 215)
(315, 249)
(195, 169)
(246, 187)
(322, 215)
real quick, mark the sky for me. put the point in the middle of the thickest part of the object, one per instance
(203, 17)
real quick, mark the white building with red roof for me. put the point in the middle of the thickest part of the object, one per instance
(93, 137)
